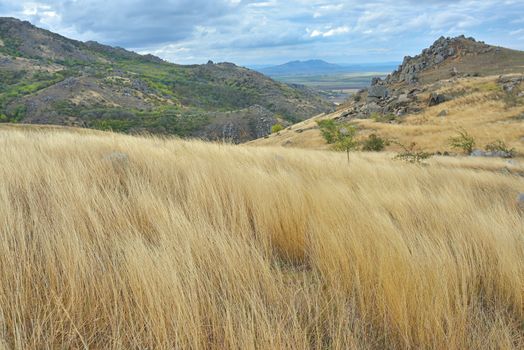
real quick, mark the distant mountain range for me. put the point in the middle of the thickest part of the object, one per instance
(317, 67)
(46, 78)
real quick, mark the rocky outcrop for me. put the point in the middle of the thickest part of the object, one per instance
(511, 82)
(399, 93)
(436, 54)
(240, 126)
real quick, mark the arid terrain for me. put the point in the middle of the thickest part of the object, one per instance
(113, 241)
(430, 106)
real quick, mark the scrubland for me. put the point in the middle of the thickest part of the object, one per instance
(121, 242)
(478, 105)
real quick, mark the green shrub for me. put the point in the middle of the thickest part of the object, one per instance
(500, 146)
(328, 129)
(18, 113)
(276, 128)
(463, 141)
(411, 154)
(374, 143)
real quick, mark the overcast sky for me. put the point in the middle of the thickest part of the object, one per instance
(275, 31)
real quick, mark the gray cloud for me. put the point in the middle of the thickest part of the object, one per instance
(274, 30)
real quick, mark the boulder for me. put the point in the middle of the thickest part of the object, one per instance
(376, 81)
(404, 98)
(439, 59)
(436, 99)
(478, 153)
(371, 108)
(443, 113)
(492, 154)
(520, 201)
(379, 91)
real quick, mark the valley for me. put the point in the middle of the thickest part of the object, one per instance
(336, 82)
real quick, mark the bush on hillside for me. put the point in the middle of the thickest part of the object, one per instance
(276, 128)
(500, 146)
(374, 143)
(411, 154)
(463, 141)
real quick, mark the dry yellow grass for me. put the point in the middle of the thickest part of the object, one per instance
(191, 245)
(479, 111)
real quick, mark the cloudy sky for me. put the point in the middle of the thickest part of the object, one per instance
(275, 31)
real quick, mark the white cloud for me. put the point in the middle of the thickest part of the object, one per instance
(251, 31)
(329, 32)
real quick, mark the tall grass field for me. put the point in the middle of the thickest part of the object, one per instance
(118, 242)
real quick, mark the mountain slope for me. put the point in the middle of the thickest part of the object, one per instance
(47, 78)
(426, 102)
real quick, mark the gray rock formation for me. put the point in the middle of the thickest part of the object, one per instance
(378, 91)
(489, 154)
(436, 99)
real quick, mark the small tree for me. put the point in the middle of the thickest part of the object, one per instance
(342, 136)
(276, 128)
(345, 139)
(463, 141)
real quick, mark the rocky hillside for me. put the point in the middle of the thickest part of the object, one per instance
(46, 78)
(456, 84)
(402, 91)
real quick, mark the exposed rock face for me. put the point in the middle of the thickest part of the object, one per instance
(509, 83)
(436, 99)
(378, 91)
(436, 54)
(241, 126)
(447, 58)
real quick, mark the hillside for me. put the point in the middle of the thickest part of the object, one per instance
(123, 242)
(449, 87)
(48, 79)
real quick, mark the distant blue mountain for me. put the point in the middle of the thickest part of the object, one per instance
(315, 67)
(302, 68)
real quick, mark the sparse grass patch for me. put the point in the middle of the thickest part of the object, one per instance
(384, 118)
(488, 86)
